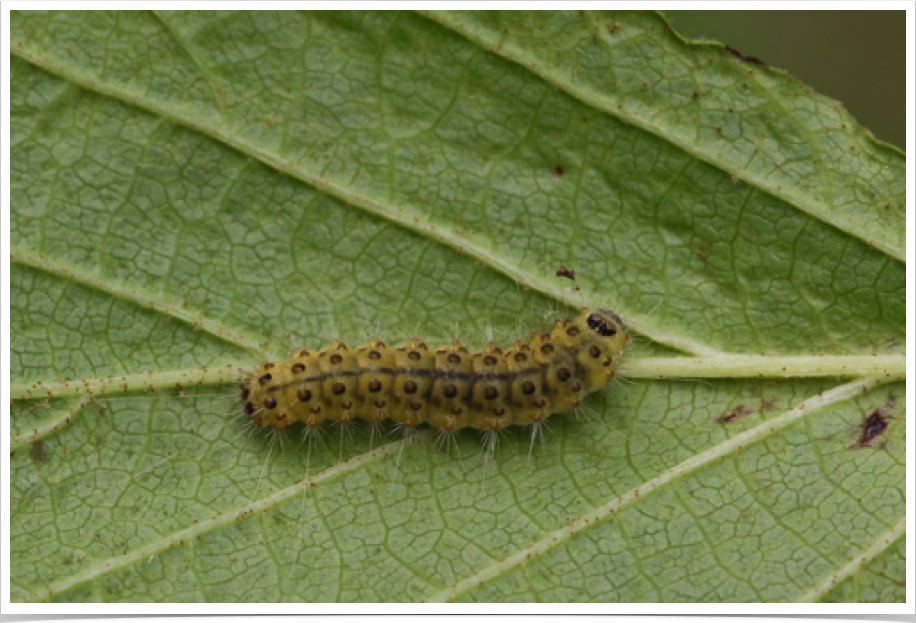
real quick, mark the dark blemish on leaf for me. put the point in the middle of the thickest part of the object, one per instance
(559, 171)
(735, 414)
(613, 28)
(875, 424)
(746, 59)
(872, 426)
(40, 452)
(570, 274)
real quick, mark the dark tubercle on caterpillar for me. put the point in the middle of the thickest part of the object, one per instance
(448, 388)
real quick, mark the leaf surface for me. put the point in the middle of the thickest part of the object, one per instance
(186, 186)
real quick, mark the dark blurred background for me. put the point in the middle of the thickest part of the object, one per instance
(856, 57)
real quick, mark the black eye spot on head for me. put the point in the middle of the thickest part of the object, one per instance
(602, 326)
(613, 316)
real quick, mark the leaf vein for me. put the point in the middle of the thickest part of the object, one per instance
(400, 216)
(815, 208)
(624, 500)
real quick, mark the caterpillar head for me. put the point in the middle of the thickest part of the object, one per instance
(604, 329)
(597, 338)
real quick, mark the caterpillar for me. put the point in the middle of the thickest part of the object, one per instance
(448, 388)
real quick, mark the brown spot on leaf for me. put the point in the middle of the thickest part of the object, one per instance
(735, 414)
(874, 425)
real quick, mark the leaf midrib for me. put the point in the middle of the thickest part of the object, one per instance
(372, 206)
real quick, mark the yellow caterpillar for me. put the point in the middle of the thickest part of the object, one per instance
(448, 388)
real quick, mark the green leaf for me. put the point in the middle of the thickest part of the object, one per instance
(187, 186)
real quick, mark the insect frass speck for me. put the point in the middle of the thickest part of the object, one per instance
(448, 388)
